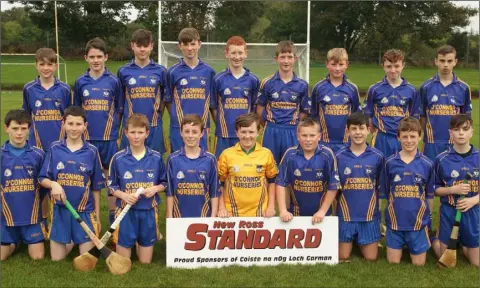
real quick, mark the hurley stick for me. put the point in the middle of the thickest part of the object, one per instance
(88, 260)
(449, 257)
(117, 264)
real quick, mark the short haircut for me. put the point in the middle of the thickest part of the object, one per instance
(142, 37)
(357, 118)
(96, 43)
(188, 35)
(393, 55)
(76, 111)
(18, 115)
(308, 122)
(459, 120)
(46, 55)
(446, 49)
(285, 46)
(192, 119)
(236, 41)
(137, 120)
(246, 120)
(337, 54)
(409, 124)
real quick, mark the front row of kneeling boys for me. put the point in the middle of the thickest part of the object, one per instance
(244, 182)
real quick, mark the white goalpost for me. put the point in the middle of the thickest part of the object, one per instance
(260, 58)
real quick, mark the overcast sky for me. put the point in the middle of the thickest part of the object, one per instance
(474, 21)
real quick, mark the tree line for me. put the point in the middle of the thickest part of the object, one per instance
(364, 28)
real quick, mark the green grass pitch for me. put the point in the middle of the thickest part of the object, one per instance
(20, 271)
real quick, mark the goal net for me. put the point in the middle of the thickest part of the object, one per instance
(260, 58)
(24, 64)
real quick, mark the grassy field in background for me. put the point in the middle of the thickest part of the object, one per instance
(13, 77)
(20, 271)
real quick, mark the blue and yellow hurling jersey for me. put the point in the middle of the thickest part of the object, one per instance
(143, 90)
(101, 98)
(451, 169)
(332, 106)
(79, 173)
(21, 192)
(407, 188)
(309, 179)
(235, 97)
(360, 180)
(47, 108)
(283, 102)
(440, 103)
(192, 183)
(387, 105)
(127, 174)
(190, 91)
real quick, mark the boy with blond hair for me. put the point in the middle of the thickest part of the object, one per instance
(333, 99)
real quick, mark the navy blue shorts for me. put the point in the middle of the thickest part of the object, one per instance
(28, 234)
(417, 242)
(364, 232)
(65, 229)
(138, 226)
(223, 143)
(431, 150)
(106, 149)
(468, 231)
(278, 138)
(386, 143)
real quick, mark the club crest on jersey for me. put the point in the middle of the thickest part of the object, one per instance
(132, 81)
(180, 175)
(297, 173)
(345, 99)
(7, 173)
(294, 97)
(86, 93)
(384, 100)
(418, 178)
(106, 93)
(236, 168)
(259, 168)
(60, 166)
(397, 178)
(153, 80)
(454, 174)
(368, 170)
(127, 175)
(275, 95)
(434, 98)
(319, 174)
(402, 102)
(150, 175)
(203, 82)
(245, 92)
(452, 100)
(38, 103)
(327, 98)
(57, 103)
(347, 171)
(227, 92)
(30, 171)
(202, 174)
(475, 172)
(82, 168)
(183, 82)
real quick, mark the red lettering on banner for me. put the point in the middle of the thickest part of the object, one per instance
(313, 238)
(227, 240)
(278, 239)
(192, 235)
(294, 238)
(245, 240)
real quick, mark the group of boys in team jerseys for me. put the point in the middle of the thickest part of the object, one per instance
(318, 140)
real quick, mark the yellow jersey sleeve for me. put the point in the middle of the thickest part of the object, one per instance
(271, 169)
(222, 167)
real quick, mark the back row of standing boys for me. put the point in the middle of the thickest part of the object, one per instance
(249, 177)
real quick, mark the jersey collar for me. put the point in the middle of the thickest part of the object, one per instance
(128, 151)
(132, 63)
(317, 150)
(436, 78)
(105, 73)
(417, 155)
(452, 151)
(4, 147)
(385, 81)
(343, 80)
(55, 81)
(240, 149)
(202, 152)
(277, 77)
(228, 71)
(181, 62)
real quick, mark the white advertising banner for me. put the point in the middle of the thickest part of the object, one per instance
(217, 242)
